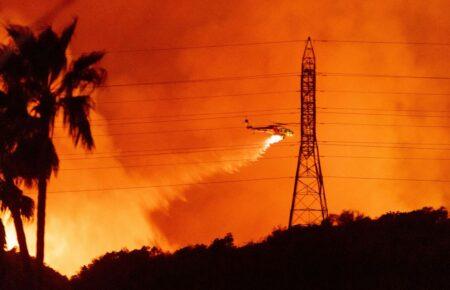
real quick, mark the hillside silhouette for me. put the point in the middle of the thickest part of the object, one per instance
(348, 251)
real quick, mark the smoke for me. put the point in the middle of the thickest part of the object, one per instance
(49, 16)
(85, 224)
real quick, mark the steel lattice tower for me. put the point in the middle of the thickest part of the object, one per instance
(309, 204)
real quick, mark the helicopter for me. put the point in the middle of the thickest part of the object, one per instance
(274, 129)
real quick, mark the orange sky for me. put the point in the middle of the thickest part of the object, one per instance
(85, 224)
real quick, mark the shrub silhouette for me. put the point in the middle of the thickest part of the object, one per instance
(13, 276)
(348, 251)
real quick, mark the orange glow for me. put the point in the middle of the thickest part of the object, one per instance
(11, 239)
(118, 196)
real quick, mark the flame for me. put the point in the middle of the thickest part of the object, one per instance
(11, 240)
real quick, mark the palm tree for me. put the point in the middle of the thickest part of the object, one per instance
(14, 120)
(51, 84)
(15, 132)
(20, 206)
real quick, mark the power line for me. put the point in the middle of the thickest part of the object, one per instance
(243, 128)
(383, 125)
(388, 178)
(186, 151)
(294, 108)
(159, 132)
(382, 110)
(367, 75)
(385, 92)
(389, 147)
(241, 113)
(386, 114)
(270, 93)
(201, 80)
(270, 75)
(170, 117)
(213, 113)
(171, 185)
(177, 163)
(174, 149)
(257, 146)
(205, 46)
(383, 42)
(389, 143)
(243, 180)
(385, 157)
(242, 160)
(157, 152)
(272, 42)
(247, 115)
(192, 119)
(201, 97)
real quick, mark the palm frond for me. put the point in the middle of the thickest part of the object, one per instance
(87, 60)
(23, 38)
(11, 195)
(19, 34)
(67, 34)
(76, 117)
(51, 59)
(83, 73)
(34, 157)
(12, 67)
(5, 53)
(26, 205)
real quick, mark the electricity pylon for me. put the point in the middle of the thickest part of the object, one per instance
(309, 204)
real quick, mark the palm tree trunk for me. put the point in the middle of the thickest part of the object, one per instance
(21, 238)
(18, 224)
(42, 198)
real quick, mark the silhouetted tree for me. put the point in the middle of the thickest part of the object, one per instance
(51, 84)
(12, 198)
(348, 217)
(222, 244)
(14, 121)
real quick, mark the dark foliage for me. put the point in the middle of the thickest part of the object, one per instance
(349, 251)
(14, 277)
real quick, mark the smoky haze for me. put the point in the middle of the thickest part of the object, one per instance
(86, 224)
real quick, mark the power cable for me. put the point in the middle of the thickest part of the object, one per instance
(242, 180)
(272, 42)
(123, 166)
(243, 128)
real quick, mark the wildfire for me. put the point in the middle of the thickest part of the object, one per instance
(11, 240)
